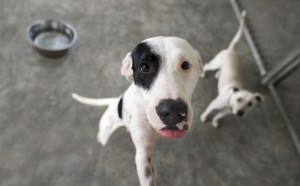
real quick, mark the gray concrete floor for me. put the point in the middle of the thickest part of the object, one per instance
(46, 138)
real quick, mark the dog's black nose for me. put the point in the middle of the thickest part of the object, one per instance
(240, 113)
(172, 112)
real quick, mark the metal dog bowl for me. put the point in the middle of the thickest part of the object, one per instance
(51, 38)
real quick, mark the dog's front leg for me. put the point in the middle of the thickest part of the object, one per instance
(143, 138)
(216, 104)
(214, 64)
(217, 74)
(218, 116)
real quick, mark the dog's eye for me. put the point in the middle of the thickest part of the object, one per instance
(250, 104)
(239, 100)
(185, 65)
(145, 68)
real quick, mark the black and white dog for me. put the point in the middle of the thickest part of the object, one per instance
(164, 72)
(232, 98)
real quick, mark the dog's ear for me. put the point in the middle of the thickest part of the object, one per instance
(259, 97)
(126, 69)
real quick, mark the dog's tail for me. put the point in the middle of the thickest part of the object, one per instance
(92, 101)
(239, 33)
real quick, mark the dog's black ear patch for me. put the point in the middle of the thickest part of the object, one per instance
(235, 89)
(120, 108)
(145, 65)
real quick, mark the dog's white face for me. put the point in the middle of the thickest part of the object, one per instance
(166, 70)
(241, 101)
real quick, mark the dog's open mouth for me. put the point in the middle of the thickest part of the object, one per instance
(172, 132)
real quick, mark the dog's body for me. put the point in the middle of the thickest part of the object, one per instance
(164, 71)
(232, 98)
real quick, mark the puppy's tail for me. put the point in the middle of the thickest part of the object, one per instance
(239, 33)
(93, 102)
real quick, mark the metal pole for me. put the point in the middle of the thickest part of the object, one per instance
(271, 87)
(285, 118)
(250, 40)
(289, 63)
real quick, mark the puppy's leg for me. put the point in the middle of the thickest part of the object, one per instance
(216, 104)
(109, 122)
(143, 138)
(214, 64)
(217, 74)
(218, 116)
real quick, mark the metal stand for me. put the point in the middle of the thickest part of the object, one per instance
(283, 69)
(274, 76)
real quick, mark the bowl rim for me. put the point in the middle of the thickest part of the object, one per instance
(40, 21)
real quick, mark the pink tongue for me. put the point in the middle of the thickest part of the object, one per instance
(171, 134)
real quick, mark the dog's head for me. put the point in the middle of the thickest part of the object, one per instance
(241, 101)
(166, 71)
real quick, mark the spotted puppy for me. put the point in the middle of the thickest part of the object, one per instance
(164, 72)
(232, 98)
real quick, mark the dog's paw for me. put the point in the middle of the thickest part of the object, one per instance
(217, 74)
(203, 74)
(203, 118)
(100, 139)
(215, 124)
